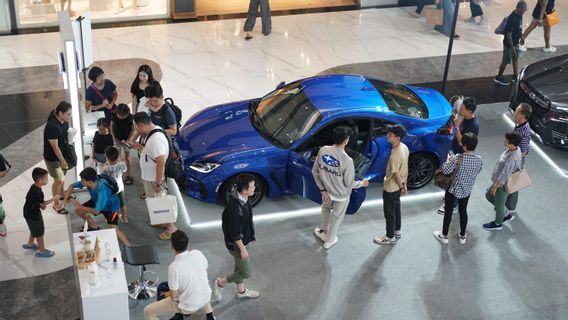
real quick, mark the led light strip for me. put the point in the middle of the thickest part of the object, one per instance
(316, 210)
(539, 151)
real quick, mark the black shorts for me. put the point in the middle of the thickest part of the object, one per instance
(36, 227)
(110, 216)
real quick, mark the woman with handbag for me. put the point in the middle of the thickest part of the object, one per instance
(544, 16)
(463, 168)
(509, 162)
(56, 150)
(101, 94)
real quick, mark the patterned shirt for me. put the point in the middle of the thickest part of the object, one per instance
(470, 167)
(509, 162)
(524, 130)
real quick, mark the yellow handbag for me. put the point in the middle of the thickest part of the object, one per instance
(552, 18)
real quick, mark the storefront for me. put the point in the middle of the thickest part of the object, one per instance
(219, 7)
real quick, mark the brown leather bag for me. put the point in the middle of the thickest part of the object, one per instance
(444, 181)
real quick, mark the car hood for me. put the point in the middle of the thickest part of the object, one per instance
(220, 131)
(550, 78)
(438, 106)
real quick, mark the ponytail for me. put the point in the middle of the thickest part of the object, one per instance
(62, 107)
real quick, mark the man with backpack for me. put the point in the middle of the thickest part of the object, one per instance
(103, 190)
(154, 157)
(163, 114)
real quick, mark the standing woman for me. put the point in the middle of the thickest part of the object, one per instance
(509, 162)
(264, 15)
(101, 94)
(542, 8)
(144, 78)
(55, 150)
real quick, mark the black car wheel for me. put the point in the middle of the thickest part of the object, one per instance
(421, 168)
(229, 188)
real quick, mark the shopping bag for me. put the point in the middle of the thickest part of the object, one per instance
(552, 18)
(162, 209)
(518, 181)
(501, 27)
(433, 16)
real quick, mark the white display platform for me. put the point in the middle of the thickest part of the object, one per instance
(109, 298)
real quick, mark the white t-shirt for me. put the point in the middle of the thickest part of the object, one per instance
(156, 145)
(188, 276)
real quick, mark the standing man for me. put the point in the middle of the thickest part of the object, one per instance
(449, 7)
(513, 35)
(334, 174)
(522, 114)
(465, 121)
(238, 230)
(153, 156)
(394, 185)
(161, 113)
(189, 290)
(264, 15)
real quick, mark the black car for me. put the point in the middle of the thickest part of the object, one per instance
(544, 85)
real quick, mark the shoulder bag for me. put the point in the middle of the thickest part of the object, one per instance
(444, 181)
(552, 18)
(517, 181)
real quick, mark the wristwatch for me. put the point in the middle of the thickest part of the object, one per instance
(323, 190)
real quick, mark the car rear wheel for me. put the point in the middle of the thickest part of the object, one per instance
(421, 168)
(229, 188)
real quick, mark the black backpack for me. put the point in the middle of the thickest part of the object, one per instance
(110, 182)
(174, 162)
(175, 109)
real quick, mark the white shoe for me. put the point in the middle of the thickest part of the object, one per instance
(414, 14)
(440, 237)
(3, 230)
(462, 239)
(481, 19)
(549, 50)
(384, 240)
(217, 291)
(329, 244)
(248, 294)
(397, 234)
(470, 19)
(319, 233)
(522, 48)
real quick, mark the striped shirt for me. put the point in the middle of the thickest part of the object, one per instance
(524, 130)
(470, 167)
(509, 162)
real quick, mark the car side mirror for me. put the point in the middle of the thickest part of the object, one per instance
(281, 85)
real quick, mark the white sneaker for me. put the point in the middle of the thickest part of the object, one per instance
(329, 244)
(442, 210)
(440, 237)
(248, 294)
(319, 233)
(549, 50)
(470, 19)
(3, 230)
(481, 19)
(217, 291)
(414, 14)
(462, 239)
(522, 48)
(397, 234)
(384, 240)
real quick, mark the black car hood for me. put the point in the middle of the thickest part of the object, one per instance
(550, 79)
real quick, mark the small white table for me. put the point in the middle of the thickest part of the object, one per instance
(109, 299)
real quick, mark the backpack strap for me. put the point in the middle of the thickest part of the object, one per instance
(167, 138)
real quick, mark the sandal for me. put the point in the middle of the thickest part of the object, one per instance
(61, 211)
(32, 247)
(166, 235)
(128, 181)
(125, 220)
(45, 254)
(143, 195)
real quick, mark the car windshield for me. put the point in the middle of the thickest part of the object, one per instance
(401, 100)
(285, 115)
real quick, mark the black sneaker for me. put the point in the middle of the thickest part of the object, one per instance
(492, 226)
(514, 78)
(501, 80)
(508, 217)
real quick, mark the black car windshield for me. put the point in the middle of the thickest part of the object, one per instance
(401, 100)
(285, 115)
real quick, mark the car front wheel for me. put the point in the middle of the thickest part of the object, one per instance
(421, 168)
(229, 188)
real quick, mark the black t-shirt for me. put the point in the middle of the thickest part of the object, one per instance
(468, 125)
(34, 198)
(136, 91)
(548, 10)
(122, 127)
(515, 27)
(54, 130)
(165, 117)
(100, 142)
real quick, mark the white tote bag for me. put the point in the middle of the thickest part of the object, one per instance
(162, 209)
(518, 181)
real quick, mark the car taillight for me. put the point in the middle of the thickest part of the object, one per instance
(447, 128)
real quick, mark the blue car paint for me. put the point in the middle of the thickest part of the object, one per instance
(224, 134)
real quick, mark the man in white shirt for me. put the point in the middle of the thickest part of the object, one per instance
(153, 156)
(189, 292)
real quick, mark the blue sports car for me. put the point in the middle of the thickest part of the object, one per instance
(277, 137)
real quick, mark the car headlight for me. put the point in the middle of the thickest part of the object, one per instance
(204, 167)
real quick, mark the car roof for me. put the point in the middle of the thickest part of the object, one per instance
(336, 93)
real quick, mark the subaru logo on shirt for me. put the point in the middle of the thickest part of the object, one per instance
(330, 160)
